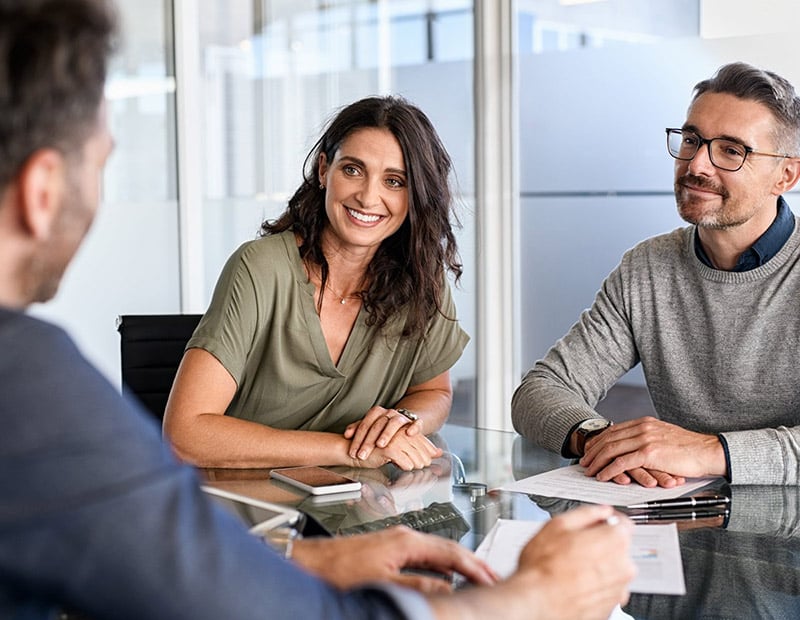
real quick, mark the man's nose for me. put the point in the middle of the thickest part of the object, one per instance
(701, 162)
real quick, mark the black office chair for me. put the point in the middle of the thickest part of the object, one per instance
(151, 348)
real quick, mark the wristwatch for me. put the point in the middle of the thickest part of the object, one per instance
(408, 414)
(589, 428)
(281, 539)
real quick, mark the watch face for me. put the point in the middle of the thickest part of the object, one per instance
(595, 424)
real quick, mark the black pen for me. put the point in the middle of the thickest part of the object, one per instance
(679, 515)
(684, 502)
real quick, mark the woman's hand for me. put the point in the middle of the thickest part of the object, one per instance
(430, 399)
(407, 452)
(377, 429)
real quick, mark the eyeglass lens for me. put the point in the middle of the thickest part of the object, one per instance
(724, 154)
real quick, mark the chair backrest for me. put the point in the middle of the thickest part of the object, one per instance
(151, 348)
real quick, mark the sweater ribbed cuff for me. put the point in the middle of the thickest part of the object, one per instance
(727, 453)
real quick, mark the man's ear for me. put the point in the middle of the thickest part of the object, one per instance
(789, 175)
(40, 186)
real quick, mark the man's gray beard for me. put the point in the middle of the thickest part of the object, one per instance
(714, 223)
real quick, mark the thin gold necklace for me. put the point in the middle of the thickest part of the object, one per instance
(342, 298)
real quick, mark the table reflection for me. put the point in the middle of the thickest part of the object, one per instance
(747, 567)
(451, 498)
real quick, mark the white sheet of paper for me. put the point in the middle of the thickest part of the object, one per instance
(657, 553)
(571, 483)
(654, 549)
(503, 544)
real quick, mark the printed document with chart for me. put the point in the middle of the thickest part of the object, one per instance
(654, 550)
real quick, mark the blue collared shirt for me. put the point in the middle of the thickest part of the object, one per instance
(765, 247)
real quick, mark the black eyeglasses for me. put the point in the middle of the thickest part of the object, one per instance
(724, 154)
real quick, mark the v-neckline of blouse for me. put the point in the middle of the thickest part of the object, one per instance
(314, 324)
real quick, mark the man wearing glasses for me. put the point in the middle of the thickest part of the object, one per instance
(710, 310)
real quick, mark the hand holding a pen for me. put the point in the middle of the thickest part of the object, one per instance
(653, 453)
(579, 563)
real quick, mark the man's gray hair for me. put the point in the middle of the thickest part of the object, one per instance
(770, 89)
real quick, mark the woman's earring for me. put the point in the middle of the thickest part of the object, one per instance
(321, 186)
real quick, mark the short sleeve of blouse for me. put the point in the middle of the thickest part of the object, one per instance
(228, 328)
(443, 343)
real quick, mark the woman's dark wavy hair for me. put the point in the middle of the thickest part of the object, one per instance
(408, 268)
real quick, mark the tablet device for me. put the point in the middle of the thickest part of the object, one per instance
(315, 480)
(257, 515)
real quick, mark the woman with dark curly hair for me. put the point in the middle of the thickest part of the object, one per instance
(329, 339)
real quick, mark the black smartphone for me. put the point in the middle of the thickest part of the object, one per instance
(315, 480)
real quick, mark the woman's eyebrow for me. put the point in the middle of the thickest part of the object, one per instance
(359, 162)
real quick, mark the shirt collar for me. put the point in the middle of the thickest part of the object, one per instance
(765, 247)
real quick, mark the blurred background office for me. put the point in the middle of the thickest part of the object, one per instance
(553, 111)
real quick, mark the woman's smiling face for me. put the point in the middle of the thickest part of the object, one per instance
(366, 198)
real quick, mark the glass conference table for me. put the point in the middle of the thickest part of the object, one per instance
(747, 568)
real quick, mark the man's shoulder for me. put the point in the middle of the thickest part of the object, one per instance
(667, 240)
(40, 362)
(39, 357)
(52, 395)
(666, 246)
(18, 329)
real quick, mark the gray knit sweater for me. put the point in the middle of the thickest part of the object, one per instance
(720, 352)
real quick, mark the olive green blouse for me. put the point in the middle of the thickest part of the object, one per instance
(263, 327)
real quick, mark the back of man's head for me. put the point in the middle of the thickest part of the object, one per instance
(53, 60)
